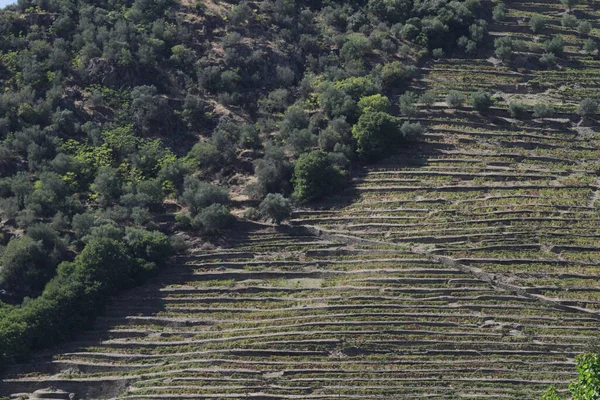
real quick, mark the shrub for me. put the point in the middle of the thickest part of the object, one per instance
(213, 219)
(587, 107)
(543, 110)
(428, 99)
(375, 133)
(437, 53)
(315, 176)
(587, 385)
(584, 28)
(411, 131)
(273, 172)
(504, 48)
(198, 195)
(499, 12)
(376, 102)
(275, 207)
(407, 104)
(555, 46)
(569, 21)
(517, 109)
(356, 47)
(455, 99)
(394, 74)
(590, 46)
(107, 185)
(547, 60)
(537, 24)
(481, 101)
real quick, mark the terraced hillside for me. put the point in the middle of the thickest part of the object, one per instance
(281, 315)
(466, 269)
(515, 199)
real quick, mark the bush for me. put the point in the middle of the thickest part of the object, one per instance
(394, 75)
(356, 47)
(213, 219)
(587, 107)
(517, 109)
(411, 131)
(198, 195)
(569, 21)
(543, 110)
(71, 300)
(590, 46)
(315, 177)
(481, 101)
(547, 60)
(455, 99)
(499, 12)
(373, 103)
(407, 104)
(275, 207)
(584, 28)
(375, 133)
(537, 24)
(504, 48)
(437, 53)
(555, 46)
(273, 173)
(428, 99)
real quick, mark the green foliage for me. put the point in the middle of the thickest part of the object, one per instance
(517, 109)
(315, 177)
(376, 133)
(455, 99)
(569, 21)
(590, 46)
(275, 208)
(374, 103)
(543, 110)
(407, 103)
(72, 298)
(481, 101)
(537, 24)
(356, 46)
(394, 75)
(587, 107)
(584, 28)
(587, 385)
(499, 12)
(198, 195)
(555, 46)
(213, 219)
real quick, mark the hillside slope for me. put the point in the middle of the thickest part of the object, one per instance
(464, 268)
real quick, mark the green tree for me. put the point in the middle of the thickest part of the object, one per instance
(198, 195)
(587, 107)
(455, 99)
(315, 176)
(537, 24)
(107, 185)
(481, 101)
(499, 12)
(587, 385)
(584, 27)
(376, 102)
(213, 219)
(376, 133)
(275, 207)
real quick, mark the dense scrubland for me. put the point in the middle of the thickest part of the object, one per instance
(438, 162)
